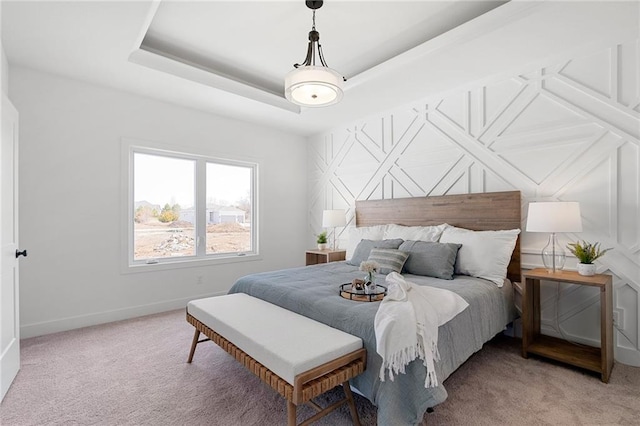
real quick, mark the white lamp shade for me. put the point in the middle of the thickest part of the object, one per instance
(557, 216)
(313, 86)
(333, 218)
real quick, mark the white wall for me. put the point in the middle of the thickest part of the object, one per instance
(5, 71)
(567, 131)
(70, 205)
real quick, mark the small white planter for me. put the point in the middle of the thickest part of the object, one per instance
(322, 246)
(587, 269)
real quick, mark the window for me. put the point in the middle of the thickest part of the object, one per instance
(228, 211)
(163, 202)
(186, 207)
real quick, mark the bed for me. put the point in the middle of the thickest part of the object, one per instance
(313, 291)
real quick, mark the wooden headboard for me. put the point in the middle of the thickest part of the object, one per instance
(480, 212)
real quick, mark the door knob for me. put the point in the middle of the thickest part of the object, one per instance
(21, 253)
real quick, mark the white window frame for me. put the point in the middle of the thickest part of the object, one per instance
(201, 258)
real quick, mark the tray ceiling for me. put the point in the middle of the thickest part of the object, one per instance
(257, 43)
(230, 58)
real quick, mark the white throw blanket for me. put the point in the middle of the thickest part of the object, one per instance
(407, 322)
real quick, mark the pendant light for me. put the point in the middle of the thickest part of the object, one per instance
(312, 83)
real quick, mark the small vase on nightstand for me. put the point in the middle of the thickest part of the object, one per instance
(587, 269)
(322, 246)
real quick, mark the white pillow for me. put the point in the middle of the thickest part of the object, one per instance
(484, 254)
(363, 233)
(414, 233)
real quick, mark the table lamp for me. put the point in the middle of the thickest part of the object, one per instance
(332, 219)
(552, 217)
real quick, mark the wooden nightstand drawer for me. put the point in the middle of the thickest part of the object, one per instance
(324, 256)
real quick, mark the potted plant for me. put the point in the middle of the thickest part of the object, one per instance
(586, 254)
(322, 240)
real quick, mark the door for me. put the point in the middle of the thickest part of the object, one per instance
(9, 320)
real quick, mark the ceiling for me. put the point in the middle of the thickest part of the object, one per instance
(230, 58)
(240, 39)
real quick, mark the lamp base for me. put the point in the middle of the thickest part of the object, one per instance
(553, 255)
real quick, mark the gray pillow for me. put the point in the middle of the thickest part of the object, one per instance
(431, 259)
(388, 260)
(361, 253)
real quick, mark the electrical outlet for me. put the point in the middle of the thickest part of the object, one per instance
(199, 280)
(618, 319)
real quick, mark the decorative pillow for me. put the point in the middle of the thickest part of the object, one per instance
(388, 260)
(414, 233)
(363, 250)
(484, 254)
(431, 259)
(363, 233)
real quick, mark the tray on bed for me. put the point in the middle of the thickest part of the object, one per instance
(360, 296)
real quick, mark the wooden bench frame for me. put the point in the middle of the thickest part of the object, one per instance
(307, 385)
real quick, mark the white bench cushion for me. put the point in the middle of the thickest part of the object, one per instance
(283, 341)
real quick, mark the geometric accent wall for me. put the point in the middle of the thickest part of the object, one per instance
(568, 132)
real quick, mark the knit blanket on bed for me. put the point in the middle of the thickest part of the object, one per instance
(406, 325)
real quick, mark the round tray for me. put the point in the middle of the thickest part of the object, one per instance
(360, 296)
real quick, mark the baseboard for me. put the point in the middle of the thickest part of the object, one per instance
(70, 323)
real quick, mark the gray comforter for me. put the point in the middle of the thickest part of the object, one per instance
(312, 291)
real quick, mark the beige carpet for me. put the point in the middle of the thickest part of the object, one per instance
(134, 373)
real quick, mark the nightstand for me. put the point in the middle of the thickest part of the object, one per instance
(325, 256)
(591, 358)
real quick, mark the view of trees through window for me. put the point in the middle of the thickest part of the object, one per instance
(166, 212)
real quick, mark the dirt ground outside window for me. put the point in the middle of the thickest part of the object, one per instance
(154, 239)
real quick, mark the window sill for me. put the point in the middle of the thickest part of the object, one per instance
(188, 263)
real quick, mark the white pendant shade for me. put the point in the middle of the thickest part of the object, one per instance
(313, 86)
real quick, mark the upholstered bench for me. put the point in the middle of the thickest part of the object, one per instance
(298, 357)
